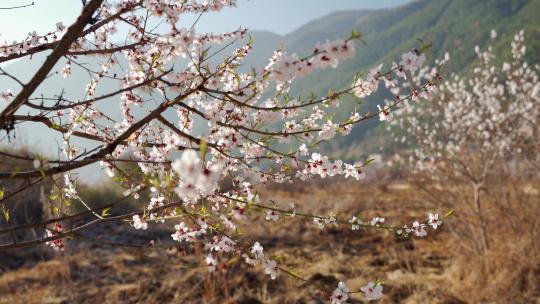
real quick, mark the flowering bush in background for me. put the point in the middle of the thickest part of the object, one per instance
(475, 125)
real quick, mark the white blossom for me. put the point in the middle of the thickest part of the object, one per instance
(340, 294)
(434, 220)
(139, 223)
(272, 215)
(372, 291)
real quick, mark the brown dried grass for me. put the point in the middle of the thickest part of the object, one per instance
(431, 270)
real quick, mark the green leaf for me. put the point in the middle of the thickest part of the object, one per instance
(203, 148)
(368, 161)
(355, 35)
(449, 213)
(119, 179)
(2, 191)
(55, 126)
(331, 95)
(5, 211)
(287, 98)
(16, 170)
(237, 78)
(55, 210)
(105, 212)
(425, 48)
(330, 116)
(277, 258)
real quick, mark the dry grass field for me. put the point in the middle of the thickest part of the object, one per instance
(436, 269)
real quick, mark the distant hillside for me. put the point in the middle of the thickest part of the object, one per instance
(454, 26)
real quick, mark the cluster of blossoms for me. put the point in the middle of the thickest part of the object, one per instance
(139, 223)
(57, 244)
(322, 222)
(184, 233)
(219, 244)
(419, 229)
(372, 291)
(487, 116)
(196, 179)
(202, 133)
(410, 63)
(320, 165)
(256, 255)
(284, 68)
(32, 40)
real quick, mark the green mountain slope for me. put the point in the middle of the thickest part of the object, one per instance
(454, 26)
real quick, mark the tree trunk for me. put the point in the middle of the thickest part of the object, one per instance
(479, 211)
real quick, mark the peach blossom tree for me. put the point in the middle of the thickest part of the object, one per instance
(167, 81)
(473, 124)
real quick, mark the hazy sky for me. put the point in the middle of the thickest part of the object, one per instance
(279, 16)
